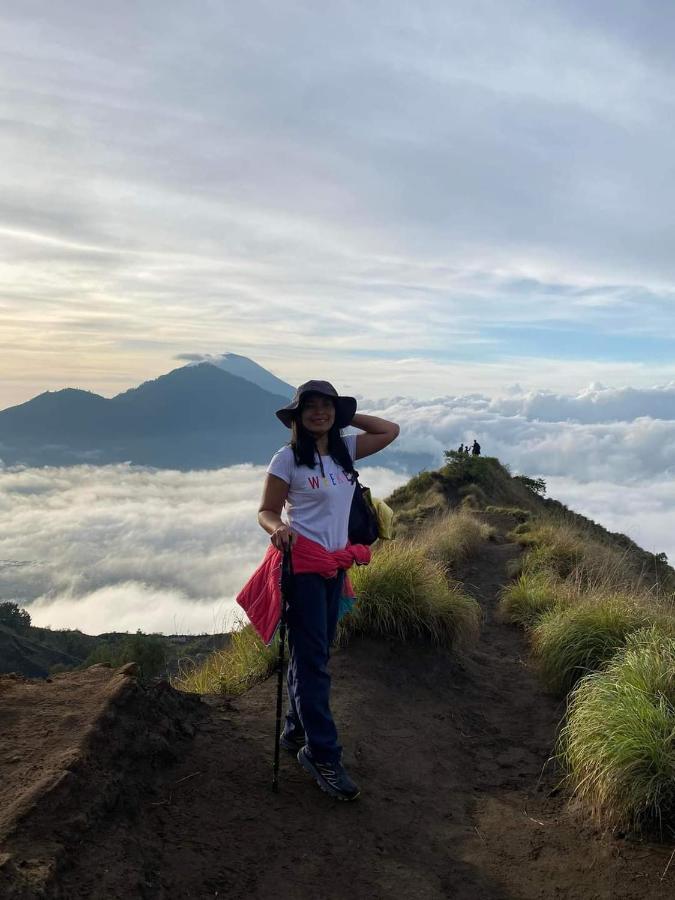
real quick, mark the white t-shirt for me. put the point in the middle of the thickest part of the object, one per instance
(317, 507)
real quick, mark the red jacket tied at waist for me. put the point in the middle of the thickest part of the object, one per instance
(260, 598)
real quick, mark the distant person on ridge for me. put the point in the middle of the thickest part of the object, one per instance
(461, 448)
(475, 448)
(313, 478)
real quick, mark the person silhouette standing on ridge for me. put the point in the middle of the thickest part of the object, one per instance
(313, 478)
(475, 449)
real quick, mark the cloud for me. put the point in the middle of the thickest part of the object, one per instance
(595, 404)
(644, 511)
(592, 436)
(123, 547)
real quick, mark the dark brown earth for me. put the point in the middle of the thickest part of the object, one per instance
(457, 798)
(74, 751)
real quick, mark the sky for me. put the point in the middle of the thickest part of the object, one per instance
(459, 212)
(418, 200)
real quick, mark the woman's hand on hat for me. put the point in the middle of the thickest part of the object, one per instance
(282, 537)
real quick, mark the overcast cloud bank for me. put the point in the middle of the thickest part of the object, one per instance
(600, 434)
(122, 547)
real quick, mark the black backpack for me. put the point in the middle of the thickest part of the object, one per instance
(363, 528)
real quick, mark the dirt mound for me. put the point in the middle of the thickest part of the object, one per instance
(75, 748)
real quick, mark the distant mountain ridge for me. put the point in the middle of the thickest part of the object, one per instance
(196, 416)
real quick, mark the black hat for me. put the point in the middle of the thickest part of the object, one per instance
(345, 407)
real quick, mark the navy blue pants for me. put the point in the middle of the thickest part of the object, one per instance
(312, 620)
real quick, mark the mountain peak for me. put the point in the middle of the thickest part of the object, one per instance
(243, 367)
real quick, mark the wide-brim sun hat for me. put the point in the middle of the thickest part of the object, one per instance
(345, 407)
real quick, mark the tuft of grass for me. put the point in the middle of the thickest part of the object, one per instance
(556, 550)
(405, 595)
(232, 670)
(515, 512)
(453, 538)
(526, 600)
(572, 641)
(618, 743)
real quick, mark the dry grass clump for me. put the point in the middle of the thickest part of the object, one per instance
(619, 740)
(454, 538)
(572, 641)
(525, 600)
(232, 670)
(515, 512)
(555, 549)
(405, 595)
(580, 564)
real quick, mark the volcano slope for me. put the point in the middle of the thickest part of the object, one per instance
(457, 797)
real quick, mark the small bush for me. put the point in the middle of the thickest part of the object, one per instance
(148, 651)
(573, 641)
(618, 740)
(526, 600)
(536, 485)
(15, 617)
(405, 595)
(232, 670)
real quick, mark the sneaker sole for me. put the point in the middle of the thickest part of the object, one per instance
(323, 784)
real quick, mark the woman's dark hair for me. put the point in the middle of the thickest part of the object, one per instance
(304, 446)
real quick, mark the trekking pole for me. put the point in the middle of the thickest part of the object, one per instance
(285, 585)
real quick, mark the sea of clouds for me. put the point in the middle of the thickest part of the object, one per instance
(125, 547)
(117, 548)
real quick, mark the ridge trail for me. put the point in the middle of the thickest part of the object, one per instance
(449, 752)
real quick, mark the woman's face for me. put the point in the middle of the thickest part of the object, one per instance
(317, 414)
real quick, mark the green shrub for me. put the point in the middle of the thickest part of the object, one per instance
(405, 595)
(232, 670)
(619, 740)
(15, 617)
(148, 651)
(575, 640)
(536, 485)
(526, 600)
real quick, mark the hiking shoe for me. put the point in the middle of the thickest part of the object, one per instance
(292, 742)
(331, 777)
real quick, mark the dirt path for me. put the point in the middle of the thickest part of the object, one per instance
(449, 755)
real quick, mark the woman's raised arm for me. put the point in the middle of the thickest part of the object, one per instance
(379, 434)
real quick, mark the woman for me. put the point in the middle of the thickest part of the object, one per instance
(313, 477)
